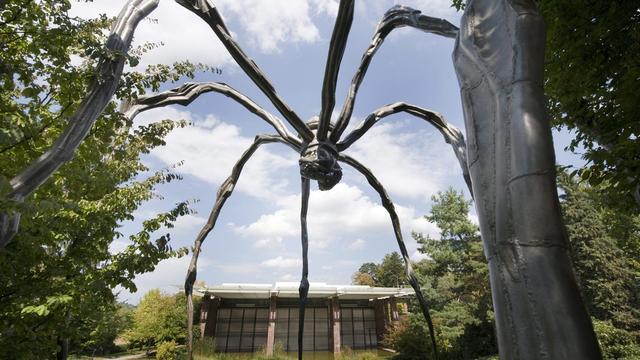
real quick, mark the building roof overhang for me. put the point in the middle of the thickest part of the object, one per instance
(290, 290)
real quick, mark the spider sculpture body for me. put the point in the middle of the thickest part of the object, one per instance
(319, 142)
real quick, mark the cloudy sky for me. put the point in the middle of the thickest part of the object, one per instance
(257, 236)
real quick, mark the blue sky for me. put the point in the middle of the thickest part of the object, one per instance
(256, 239)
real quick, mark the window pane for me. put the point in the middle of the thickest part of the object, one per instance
(322, 329)
(222, 329)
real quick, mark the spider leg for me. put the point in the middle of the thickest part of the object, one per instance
(388, 205)
(209, 13)
(188, 92)
(225, 190)
(303, 291)
(452, 135)
(336, 50)
(108, 73)
(397, 16)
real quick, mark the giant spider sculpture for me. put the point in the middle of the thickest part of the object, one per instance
(319, 141)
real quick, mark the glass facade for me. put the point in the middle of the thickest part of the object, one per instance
(241, 329)
(316, 328)
(358, 328)
(242, 325)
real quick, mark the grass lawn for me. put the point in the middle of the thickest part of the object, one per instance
(110, 356)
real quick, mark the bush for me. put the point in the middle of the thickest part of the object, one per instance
(616, 343)
(158, 318)
(167, 351)
(409, 338)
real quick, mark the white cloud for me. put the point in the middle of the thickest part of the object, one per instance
(269, 23)
(184, 35)
(417, 256)
(357, 244)
(268, 242)
(339, 213)
(235, 268)
(210, 149)
(264, 24)
(329, 7)
(271, 228)
(421, 225)
(288, 277)
(189, 222)
(117, 246)
(281, 262)
(409, 164)
(168, 276)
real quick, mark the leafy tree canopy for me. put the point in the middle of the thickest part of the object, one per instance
(592, 81)
(389, 273)
(158, 318)
(57, 276)
(455, 279)
(605, 248)
(360, 278)
(370, 269)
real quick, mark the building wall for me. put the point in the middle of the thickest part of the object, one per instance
(316, 328)
(244, 325)
(241, 326)
(358, 328)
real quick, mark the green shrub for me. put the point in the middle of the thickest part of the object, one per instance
(158, 318)
(167, 351)
(409, 338)
(616, 343)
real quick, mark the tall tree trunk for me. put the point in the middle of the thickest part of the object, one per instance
(499, 59)
(63, 352)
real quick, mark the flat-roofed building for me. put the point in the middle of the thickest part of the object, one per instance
(250, 317)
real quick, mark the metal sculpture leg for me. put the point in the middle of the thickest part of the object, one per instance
(452, 135)
(225, 190)
(336, 50)
(499, 59)
(388, 205)
(189, 92)
(303, 291)
(108, 71)
(396, 17)
(208, 12)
